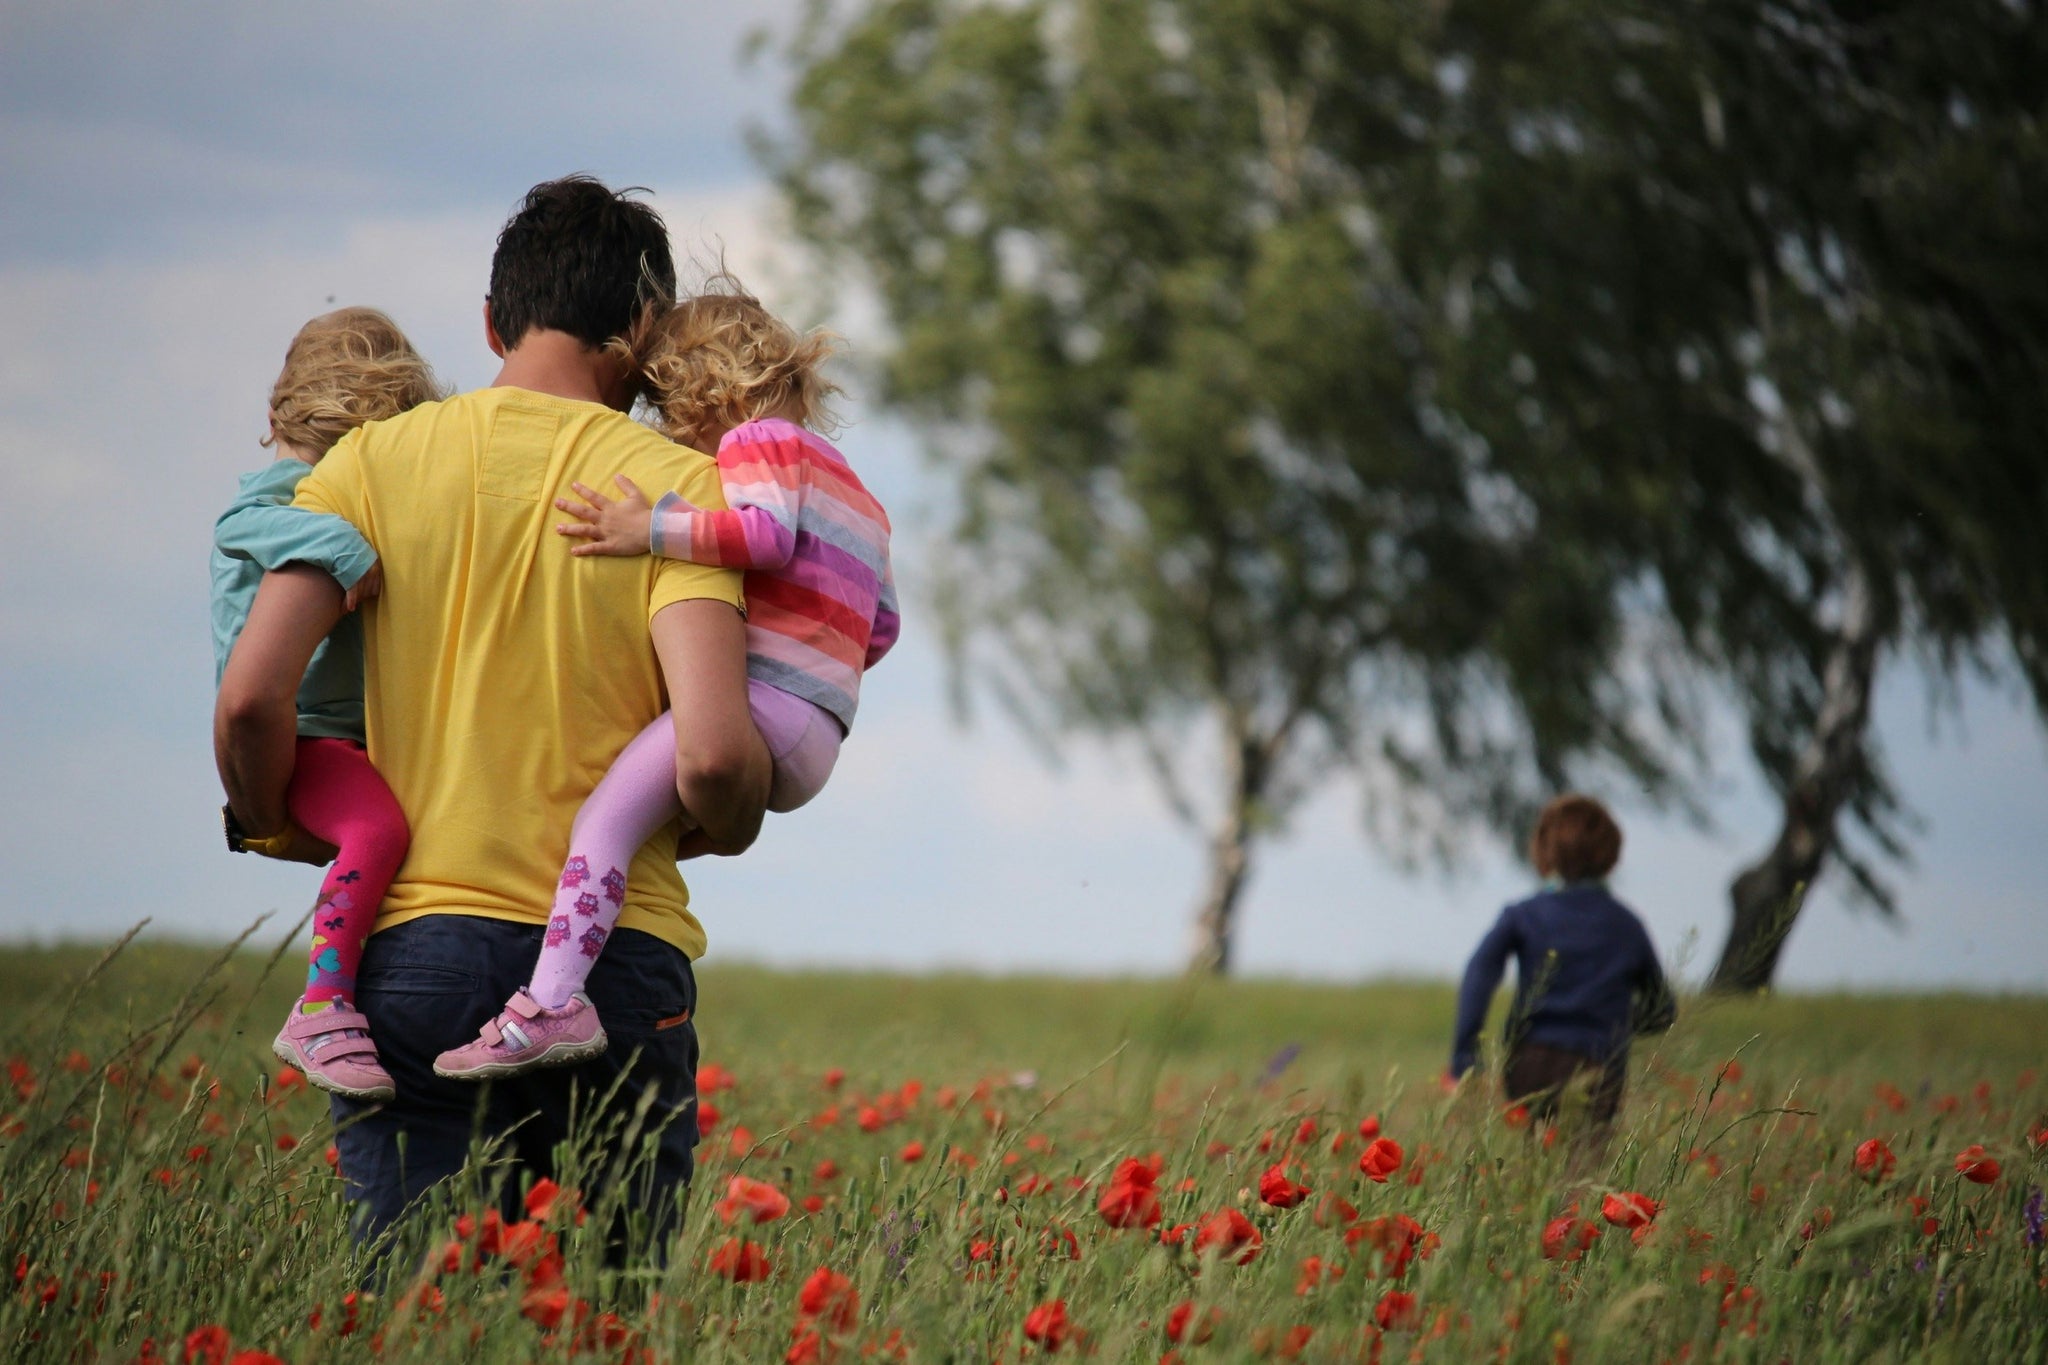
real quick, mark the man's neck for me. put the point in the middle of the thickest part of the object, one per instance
(547, 361)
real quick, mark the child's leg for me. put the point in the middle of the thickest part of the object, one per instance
(636, 798)
(803, 740)
(338, 795)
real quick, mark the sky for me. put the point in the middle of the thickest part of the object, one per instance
(182, 186)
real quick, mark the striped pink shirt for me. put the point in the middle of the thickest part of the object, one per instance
(821, 600)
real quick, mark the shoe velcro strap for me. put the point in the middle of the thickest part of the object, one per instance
(523, 1005)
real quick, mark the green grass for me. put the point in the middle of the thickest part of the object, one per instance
(157, 1179)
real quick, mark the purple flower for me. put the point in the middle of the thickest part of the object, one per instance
(2034, 1216)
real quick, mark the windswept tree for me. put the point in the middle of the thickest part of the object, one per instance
(1438, 394)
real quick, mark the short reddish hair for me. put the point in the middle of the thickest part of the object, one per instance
(1576, 840)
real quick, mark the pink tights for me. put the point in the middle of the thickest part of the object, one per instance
(635, 799)
(337, 795)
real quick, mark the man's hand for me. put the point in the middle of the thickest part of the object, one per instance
(607, 527)
(256, 715)
(370, 585)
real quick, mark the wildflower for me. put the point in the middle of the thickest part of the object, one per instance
(1305, 1133)
(1398, 1239)
(255, 1358)
(1331, 1209)
(1382, 1158)
(1181, 1326)
(2034, 1217)
(830, 1297)
(758, 1199)
(869, 1119)
(828, 1169)
(1975, 1167)
(708, 1115)
(738, 1261)
(1396, 1311)
(1131, 1199)
(544, 1305)
(835, 1077)
(1874, 1160)
(1630, 1210)
(207, 1345)
(1278, 1191)
(911, 1151)
(712, 1078)
(1568, 1238)
(525, 1242)
(1313, 1272)
(1047, 1325)
(1230, 1234)
(1368, 1127)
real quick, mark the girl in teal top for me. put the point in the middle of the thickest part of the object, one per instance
(342, 370)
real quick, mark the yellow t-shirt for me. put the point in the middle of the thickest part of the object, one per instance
(502, 676)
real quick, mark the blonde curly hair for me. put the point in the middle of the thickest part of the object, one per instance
(718, 359)
(343, 369)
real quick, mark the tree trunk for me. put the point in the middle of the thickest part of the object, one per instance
(1767, 896)
(1229, 860)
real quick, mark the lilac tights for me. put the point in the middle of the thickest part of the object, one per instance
(635, 799)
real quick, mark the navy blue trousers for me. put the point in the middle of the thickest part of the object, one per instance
(429, 984)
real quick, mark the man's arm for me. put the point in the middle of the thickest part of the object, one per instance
(256, 715)
(722, 767)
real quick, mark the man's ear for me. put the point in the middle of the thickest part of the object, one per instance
(491, 337)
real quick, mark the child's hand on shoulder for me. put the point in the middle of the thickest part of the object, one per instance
(608, 526)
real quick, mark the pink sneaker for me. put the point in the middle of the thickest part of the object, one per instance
(526, 1036)
(334, 1049)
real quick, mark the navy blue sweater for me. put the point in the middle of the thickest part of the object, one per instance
(1583, 961)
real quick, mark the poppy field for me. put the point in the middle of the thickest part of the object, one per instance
(973, 1170)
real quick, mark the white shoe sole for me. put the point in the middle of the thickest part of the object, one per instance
(375, 1094)
(564, 1054)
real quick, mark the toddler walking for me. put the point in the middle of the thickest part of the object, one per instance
(342, 370)
(821, 610)
(1587, 978)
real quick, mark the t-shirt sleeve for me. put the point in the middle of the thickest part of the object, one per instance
(336, 486)
(678, 580)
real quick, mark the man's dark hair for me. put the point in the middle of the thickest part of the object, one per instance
(580, 258)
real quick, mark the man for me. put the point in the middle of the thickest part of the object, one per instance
(502, 676)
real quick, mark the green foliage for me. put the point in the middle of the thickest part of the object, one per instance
(1451, 392)
(158, 1176)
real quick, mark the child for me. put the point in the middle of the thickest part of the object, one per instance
(342, 370)
(821, 610)
(1586, 975)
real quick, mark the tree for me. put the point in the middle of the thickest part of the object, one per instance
(1441, 393)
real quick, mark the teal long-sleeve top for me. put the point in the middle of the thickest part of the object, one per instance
(262, 531)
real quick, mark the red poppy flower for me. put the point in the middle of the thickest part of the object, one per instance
(1568, 1238)
(1629, 1210)
(1131, 1199)
(740, 1262)
(828, 1169)
(1182, 1327)
(1874, 1160)
(1047, 1325)
(1381, 1159)
(545, 1305)
(912, 1151)
(1277, 1190)
(1231, 1234)
(1397, 1238)
(757, 1199)
(1972, 1165)
(1305, 1132)
(1396, 1311)
(835, 1077)
(829, 1297)
(712, 1078)
(207, 1345)
(1369, 1127)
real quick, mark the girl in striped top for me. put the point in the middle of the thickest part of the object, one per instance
(728, 376)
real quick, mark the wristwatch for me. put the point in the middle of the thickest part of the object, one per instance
(239, 842)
